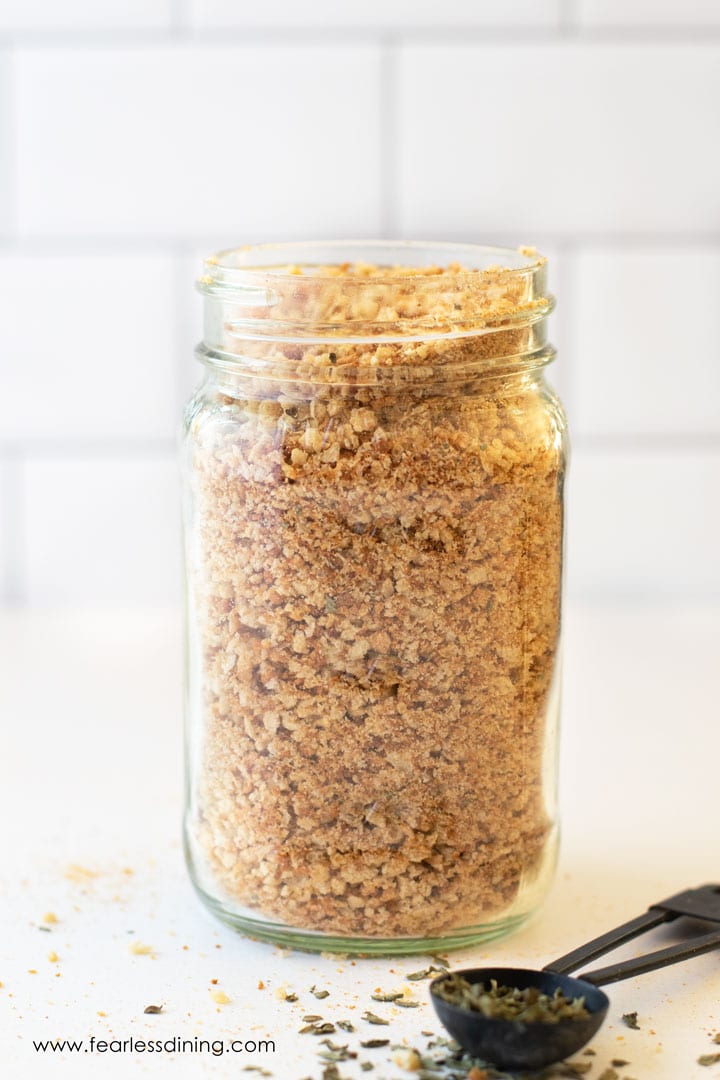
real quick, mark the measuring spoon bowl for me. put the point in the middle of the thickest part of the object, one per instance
(520, 1044)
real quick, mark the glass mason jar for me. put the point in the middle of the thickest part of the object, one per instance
(373, 475)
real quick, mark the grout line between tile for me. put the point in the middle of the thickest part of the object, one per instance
(389, 134)
(567, 17)
(168, 245)
(565, 287)
(577, 592)
(179, 15)
(182, 344)
(27, 450)
(648, 442)
(14, 563)
(10, 150)
(84, 449)
(179, 33)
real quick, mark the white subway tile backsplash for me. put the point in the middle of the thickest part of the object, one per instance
(647, 14)
(121, 166)
(46, 15)
(374, 14)
(271, 140)
(644, 524)
(103, 531)
(644, 342)
(566, 137)
(88, 346)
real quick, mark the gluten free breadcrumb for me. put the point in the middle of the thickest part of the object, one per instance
(374, 553)
(79, 874)
(407, 1058)
(137, 948)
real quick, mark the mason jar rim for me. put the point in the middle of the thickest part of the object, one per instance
(369, 292)
(254, 265)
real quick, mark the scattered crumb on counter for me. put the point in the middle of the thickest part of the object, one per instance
(78, 873)
(408, 1059)
(139, 949)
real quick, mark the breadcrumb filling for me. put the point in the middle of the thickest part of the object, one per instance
(374, 568)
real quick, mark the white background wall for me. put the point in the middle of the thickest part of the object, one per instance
(137, 135)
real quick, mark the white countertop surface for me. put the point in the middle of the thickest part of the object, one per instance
(91, 778)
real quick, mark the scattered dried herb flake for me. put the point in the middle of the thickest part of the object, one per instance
(342, 1054)
(317, 1029)
(630, 1020)
(373, 1044)
(153, 1009)
(426, 973)
(373, 1019)
(708, 1059)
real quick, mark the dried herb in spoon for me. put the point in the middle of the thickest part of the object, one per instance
(510, 1003)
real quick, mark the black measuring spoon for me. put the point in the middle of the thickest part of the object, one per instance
(519, 1044)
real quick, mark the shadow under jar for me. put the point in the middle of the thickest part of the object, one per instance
(373, 477)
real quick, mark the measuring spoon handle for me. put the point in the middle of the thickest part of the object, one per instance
(610, 940)
(686, 950)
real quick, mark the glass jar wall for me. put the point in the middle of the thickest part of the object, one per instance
(373, 471)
